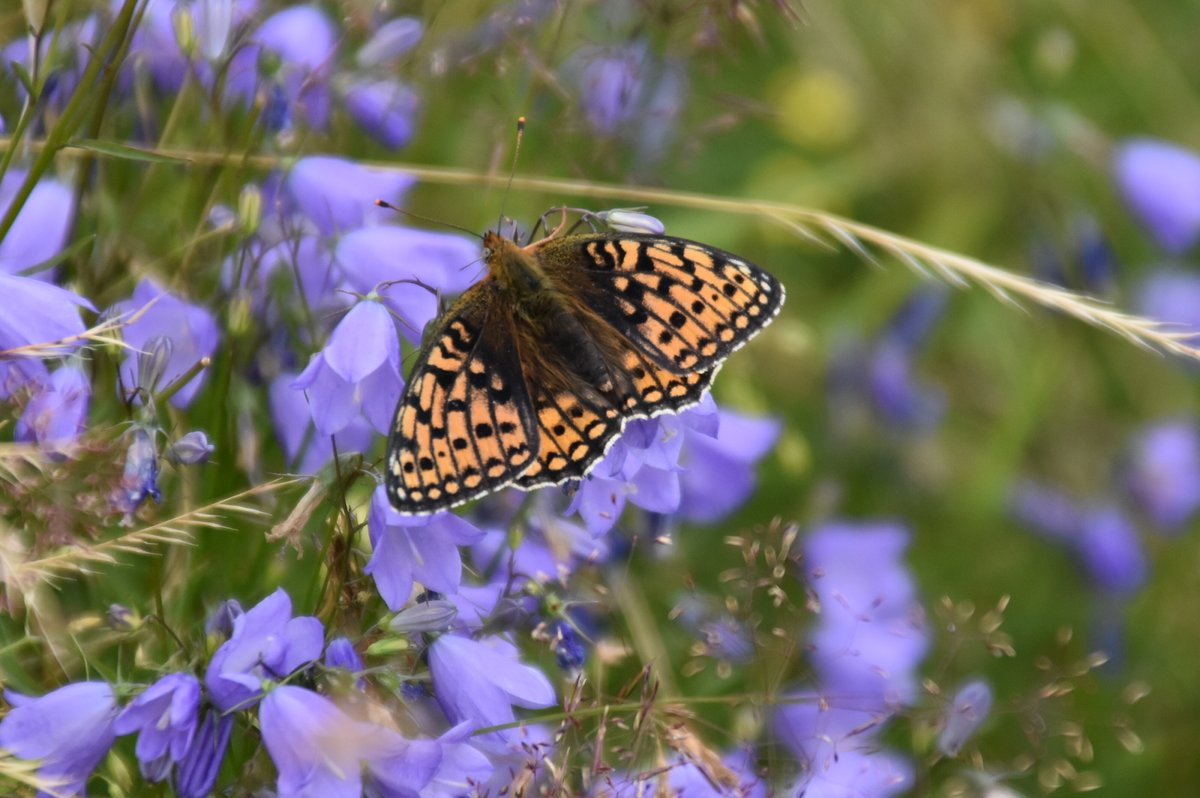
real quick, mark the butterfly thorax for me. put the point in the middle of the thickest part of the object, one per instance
(536, 298)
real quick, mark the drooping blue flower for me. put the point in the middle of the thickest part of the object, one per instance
(610, 83)
(871, 634)
(291, 52)
(267, 644)
(422, 548)
(390, 40)
(570, 653)
(191, 329)
(1110, 551)
(1173, 297)
(645, 467)
(57, 413)
(867, 646)
(391, 260)
(358, 371)
(34, 312)
(337, 194)
(1164, 472)
(386, 109)
(1161, 184)
(307, 450)
(220, 622)
(139, 479)
(40, 229)
(480, 681)
(965, 713)
(340, 653)
(1101, 538)
(68, 730)
(317, 749)
(192, 449)
(196, 773)
(463, 767)
(718, 474)
(165, 716)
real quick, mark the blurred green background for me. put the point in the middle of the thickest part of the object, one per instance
(985, 128)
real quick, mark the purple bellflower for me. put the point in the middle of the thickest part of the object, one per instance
(319, 750)
(289, 55)
(165, 716)
(1173, 297)
(610, 83)
(191, 329)
(57, 413)
(337, 194)
(663, 465)
(40, 229)
(867, 644)
(390, 40)
(386, 109)
(357, 371)
(1161, 184)
(192, 449)
(480, 681)
(34, 312)
(139, 479)
(302, 444)
(381, 258)
(1163, 475)
(420, 548)
(197, 771)
(267, 644)
(965, 713)
(68, 730)
(871, 636)
(718, 474)
(1100, 537)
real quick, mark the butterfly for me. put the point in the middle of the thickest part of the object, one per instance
(530, 375)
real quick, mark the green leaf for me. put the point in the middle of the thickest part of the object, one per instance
(125, 151)
(24, 77)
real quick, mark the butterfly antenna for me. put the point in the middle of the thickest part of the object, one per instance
(512, 171)
(430, 220)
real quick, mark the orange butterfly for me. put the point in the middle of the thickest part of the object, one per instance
(530, 376)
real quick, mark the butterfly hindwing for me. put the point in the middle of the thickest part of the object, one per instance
(465, 425)
(685, 305)
(578, 424)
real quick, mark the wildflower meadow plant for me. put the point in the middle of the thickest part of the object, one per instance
(231, 234)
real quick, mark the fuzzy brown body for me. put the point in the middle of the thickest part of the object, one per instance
(529, 377)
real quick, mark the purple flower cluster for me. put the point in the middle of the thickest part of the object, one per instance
(869, 639)
(321, 744)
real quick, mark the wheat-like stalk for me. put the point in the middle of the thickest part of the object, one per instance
(862, 239)
(179, 530)
(102, 333)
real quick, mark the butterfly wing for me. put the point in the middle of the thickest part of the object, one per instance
(686, 306)
(578, 424)
(465, 425)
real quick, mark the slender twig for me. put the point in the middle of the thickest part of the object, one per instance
(826, 228)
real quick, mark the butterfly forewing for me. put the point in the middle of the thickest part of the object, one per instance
(465, 425)
(686, 305)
